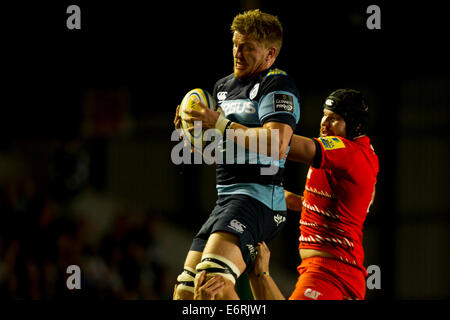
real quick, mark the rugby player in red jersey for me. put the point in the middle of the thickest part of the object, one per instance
(339, 190)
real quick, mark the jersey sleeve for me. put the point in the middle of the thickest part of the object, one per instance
(333, 153)
(279, 101)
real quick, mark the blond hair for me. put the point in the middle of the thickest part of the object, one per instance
(265, 27)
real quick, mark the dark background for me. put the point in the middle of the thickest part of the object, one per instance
(86, 176)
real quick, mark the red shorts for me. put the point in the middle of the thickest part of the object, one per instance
(328, 279)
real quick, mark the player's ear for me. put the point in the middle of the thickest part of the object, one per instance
(271, 53)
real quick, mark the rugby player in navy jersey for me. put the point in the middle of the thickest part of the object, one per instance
(263, 102)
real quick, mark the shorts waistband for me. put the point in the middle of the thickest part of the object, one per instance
(318, 259)
(328, 262)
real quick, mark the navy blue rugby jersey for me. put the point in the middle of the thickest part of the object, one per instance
(270, 96)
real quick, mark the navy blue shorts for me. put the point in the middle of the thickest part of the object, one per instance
(246, 217)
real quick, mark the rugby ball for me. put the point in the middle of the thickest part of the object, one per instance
(189, 102)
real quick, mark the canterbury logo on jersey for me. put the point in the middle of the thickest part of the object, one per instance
(222, 95)
(238, 106)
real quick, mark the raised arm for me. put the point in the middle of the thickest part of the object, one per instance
(262, 284)
(272, 133)
(302, 150)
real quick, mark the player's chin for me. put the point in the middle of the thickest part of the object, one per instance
(240, 72)
(324, 133)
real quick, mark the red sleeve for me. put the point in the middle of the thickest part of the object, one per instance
(335, 153)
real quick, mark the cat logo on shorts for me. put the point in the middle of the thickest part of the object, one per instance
(236, 226)
(313, 294)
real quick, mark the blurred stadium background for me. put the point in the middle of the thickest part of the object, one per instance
(86, 118)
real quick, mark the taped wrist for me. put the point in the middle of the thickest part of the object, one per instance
(215, 264)
(186, 279)
(263, 274)
(222, 123)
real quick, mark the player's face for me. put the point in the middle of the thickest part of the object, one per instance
(250, 56)
(332, 124)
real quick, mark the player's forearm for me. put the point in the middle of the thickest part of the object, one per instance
(293, 201)
(261, 140)
(251, 138)
(302, 149)
(265, 288)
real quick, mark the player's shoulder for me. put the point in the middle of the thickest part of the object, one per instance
(354, 156)
(367, 149)
(362, 155)
(334, 143)
(278, 80)
(276, 72)
(275, 75)
(338, 142)
(358, 149)
(362, 143)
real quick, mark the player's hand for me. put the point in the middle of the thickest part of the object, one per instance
(207, 290)
(177, 124)
(207, 116)
(177, 119)
(174, 295)
(262, 260)
(293, 201)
